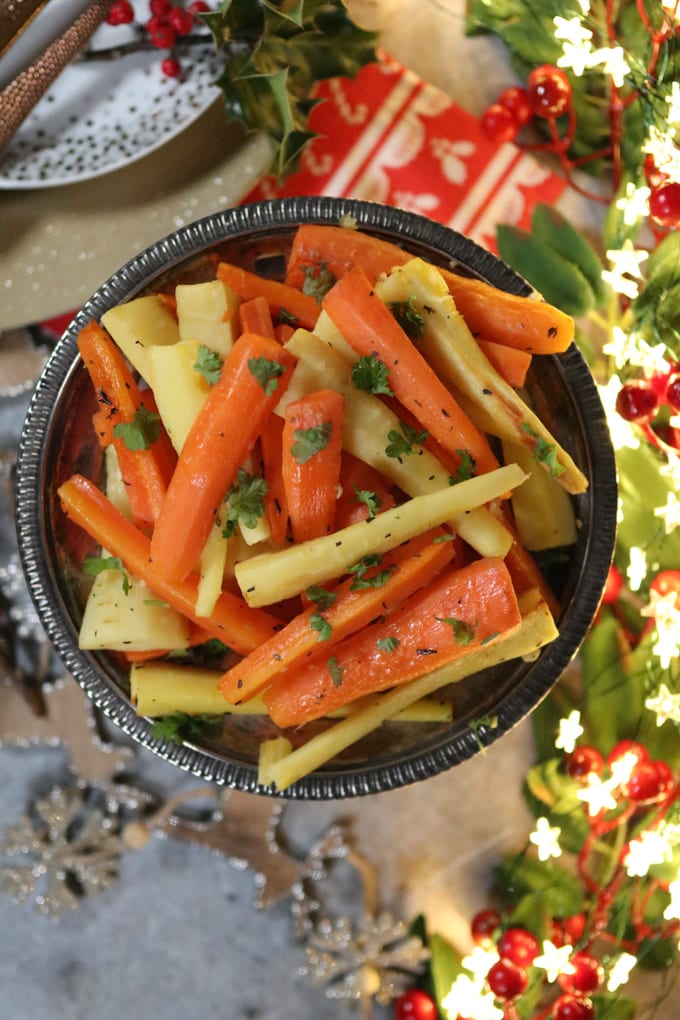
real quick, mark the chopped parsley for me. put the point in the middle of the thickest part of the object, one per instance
(387, 644)
(311, 441)
(287, 317)
(178, 726)
(141, 432)
(448, 537)
(213, 648)
(321, 597)
(409, 318)
(93, 565)
(371, 375)
(464, 633)
(465, 469)
(266, 372)
(208, 364)
(370, 499)
(335, 671)
(245, 501)
(159, 603)
(317, 281)
(401, 443)
(320, 623)
(377, 580)
(544, 452)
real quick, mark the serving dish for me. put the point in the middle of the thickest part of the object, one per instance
(57, 439)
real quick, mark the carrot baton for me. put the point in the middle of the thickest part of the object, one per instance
(339, 611)
(370, 328)
(454, 615)
(303, 308)
(364, 492)
(142, 456)
(231, 621)
(510, 362)
(255, 373)
(254, 317)
(526, 323)
(275, 502)
(310, 464)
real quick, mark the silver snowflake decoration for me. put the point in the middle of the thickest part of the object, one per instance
(376, 958)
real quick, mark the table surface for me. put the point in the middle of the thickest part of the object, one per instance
(179, 934)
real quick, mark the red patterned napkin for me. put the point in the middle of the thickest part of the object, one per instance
(387, 136)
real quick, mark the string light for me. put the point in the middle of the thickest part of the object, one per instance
(467, 998)
(569, 730)
(669, 513)
(598, 794)
(546, 838)
(666, 615)
(650, 848)
(554, 960)
(637, 567)
(620, 971)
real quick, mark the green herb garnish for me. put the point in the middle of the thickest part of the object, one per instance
(387, 644)
(409, 318)
(466, 468)
(371, 375)
(141, 432)
(93, 565)
(463, 632)
(208, 364)
(401, 443)
(178, 726)
(266, 372)
(317, 281)
(311, 441)
(335, 671)
(321, 597)
(376, 580)
(370, 499)
(544, 452)
(245, 501)
(320, 623)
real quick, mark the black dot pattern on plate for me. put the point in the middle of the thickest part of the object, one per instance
(96, 118)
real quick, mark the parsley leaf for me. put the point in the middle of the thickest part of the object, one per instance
(321, 624)
(376, 580)
(387, 644)
(371, 499)
(213, 648)
(408, 317)
(321, 597)
(448, 537)
(178, 726)
(544, 452)
(371, 374)
(266, 372)
(287, 317)
(311, 441)
(141, 432)
(93, 565)
(246, 501)
(335, 670)
(463, 632)
(465, 469)
(401, 443)
(208, 364)
(318, 280)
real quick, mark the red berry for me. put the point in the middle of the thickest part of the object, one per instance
(161, 8)
(163, 37)
(664, 205)
(665, 583)
(171, 68)
(672, 393)
(484, 924)
(507, 980)
(516, 100)
(153, 24)
(120, 13)
(665, 777)
(584, 761)
(624, 747)
(655, 177)
(180, 20)
(498, 124)
(572, 1007)
(637, 402)
(415, 1005)
(549, 92)
(645, 782)
(567, 930)
(587, 975)
(198, 7)
(613, 587)
(518, 945)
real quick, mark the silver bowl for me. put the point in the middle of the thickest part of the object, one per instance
(57, 439)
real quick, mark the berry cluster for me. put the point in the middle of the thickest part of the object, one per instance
(167, 23)
(641, 401)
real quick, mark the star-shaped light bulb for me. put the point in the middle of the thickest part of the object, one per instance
(479, 962)
(620, 971)
(546, 838)
(652, 847)
(466, 998)
(669, 513)
(665, 704)
(598, 794)
(554, 960)
(570, 730)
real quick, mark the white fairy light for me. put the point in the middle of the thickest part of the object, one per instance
(555, 960)
(621, 432)
(622, 768)
(669, 513)
(571, 30)
(620, 283)
(545, 838)
(665, 611)
(652, 359)
(466, 998)
(620, 971)
(621, 347)
(665, 704)
(637, 567)
(634, 204)
(671, 469)
(574, 58)
(652, 847)
(584, 5)
(662, 148)
(480, 961)
(627, 258)
(598, 794)
(612, 60)
(672, 911)
(569, 731)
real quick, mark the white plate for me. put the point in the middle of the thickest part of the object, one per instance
(99, 116)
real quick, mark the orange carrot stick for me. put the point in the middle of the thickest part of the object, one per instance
(413, 565)
(232, 621)
(310, 463)
(370, 328)
(254, 317)
(525, 323)
(451, 617)
(357, 477)
(275, 501)
(255, 373)
(146, 471)
(303, 308)
(283, 332)
(510, 362)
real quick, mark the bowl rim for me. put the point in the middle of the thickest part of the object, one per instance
(138, 274)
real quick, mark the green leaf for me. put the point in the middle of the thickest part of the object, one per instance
(463, 632)
(372, 375)
(559, 281)
(387, 644)
(370, 499)
(401, 443)
(321, 597)
(141, 432)
(335, 671)
(93, 565)
(614, 1006)
(445, 967)
(544, 452)
(466, 468)
(376, 580)
(311, 441)
(408, 317)
(554, 891)
(266, 372)
(245, 501)
(319, 623)
(178, 726)
(208, 364)
(555, 229)
(317, 280)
